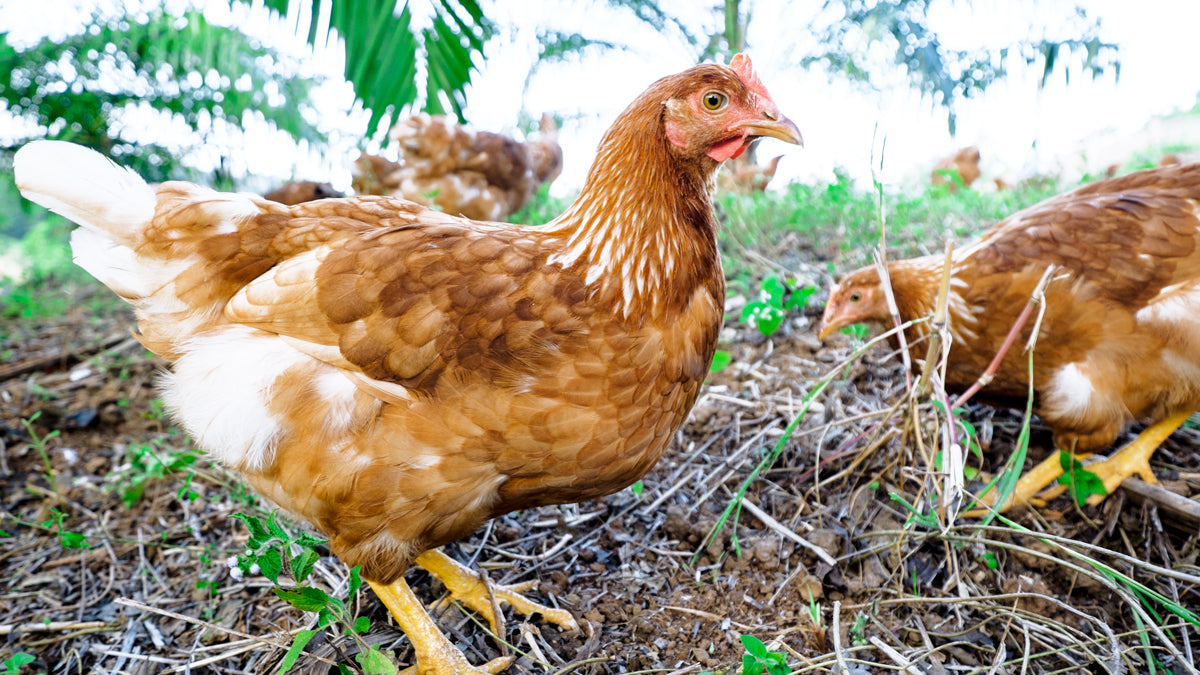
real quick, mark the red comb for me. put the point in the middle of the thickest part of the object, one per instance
(741, 65)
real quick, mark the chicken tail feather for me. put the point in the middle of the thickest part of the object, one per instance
(86, 187)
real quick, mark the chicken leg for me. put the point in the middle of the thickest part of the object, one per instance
(435, 654)
(468, 588)
(1133, 459)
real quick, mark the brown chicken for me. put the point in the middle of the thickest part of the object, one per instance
(1120, 338)
(476, 174)
(746, 176)
(395, 375)
(300, 191)
(965, 163)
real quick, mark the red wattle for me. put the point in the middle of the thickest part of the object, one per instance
(729, 149)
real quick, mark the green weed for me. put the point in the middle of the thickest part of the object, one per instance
(39, 444)
(1081, 482)
(774, 301)
(146, 463)
(721, 360)
(270, 550)
(12, 665)
(67, 538)
(759, 661)
(637, 489)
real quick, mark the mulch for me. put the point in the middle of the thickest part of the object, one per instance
(825, 562)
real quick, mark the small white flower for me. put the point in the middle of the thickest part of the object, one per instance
(236, 573)
(231, 561)
(254, 568)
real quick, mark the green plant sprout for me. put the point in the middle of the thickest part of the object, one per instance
(759, 661)
(12, 665)
(775, 300)
(1081, 482)
(269, 550)
(721, 360)
(149, 462)
(67, 538)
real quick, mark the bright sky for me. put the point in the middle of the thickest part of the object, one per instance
(1105, 118)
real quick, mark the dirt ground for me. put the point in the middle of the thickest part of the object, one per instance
(825, 563)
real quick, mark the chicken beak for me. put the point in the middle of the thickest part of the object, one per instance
(829, 322)
(774, 126)
(826, 329)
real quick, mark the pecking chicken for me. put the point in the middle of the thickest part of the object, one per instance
(476, 174)
(1120, 337)
(395, 375)
(299, 191)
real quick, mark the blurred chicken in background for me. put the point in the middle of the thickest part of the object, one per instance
(477, 174)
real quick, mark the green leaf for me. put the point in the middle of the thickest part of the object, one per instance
(754, 646)
(276, 529)
(636, 489)
(298, 643)
(302, 564)
(258, 532)
(355, 581)
(1082, 483)
(362, 624)
(800, 298)
(721, 359)
(72, 540)
(772, 291)
(989, 559)
(270, 564)
(375, 662)
(304, 598)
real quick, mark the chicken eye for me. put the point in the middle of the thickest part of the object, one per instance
(855, 296)
(714, 100)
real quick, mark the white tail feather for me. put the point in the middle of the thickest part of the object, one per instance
(86, 187)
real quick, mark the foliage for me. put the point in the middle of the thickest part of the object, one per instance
(839, 220)
(774, 301)
(1081, 482)
(759, 661)
(271, 549)
(721, 360)
(49, 282)
(146, 463)
(902, 28)
(94, 87)
(541, 208)
(12, 665)
(67, 538)
(388, 53)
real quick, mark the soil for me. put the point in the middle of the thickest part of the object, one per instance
(824, 562)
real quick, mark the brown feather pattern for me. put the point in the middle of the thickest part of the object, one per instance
(396, 375)
(1120, 339)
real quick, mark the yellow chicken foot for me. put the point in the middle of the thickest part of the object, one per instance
(1133, 459)
(466, 586)
(1028, 486)
(435, 654)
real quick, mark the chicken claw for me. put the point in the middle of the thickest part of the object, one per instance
(435, 654)
(1133, 459)
(468, 588)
